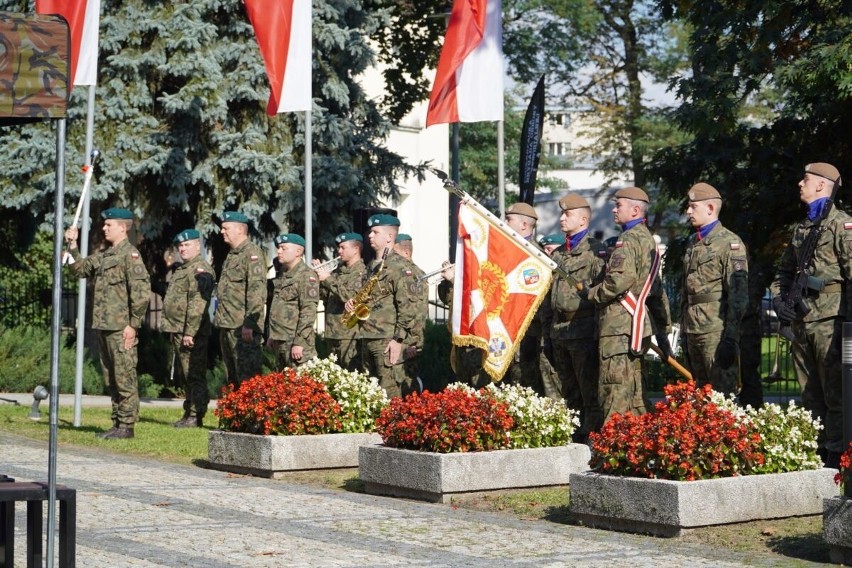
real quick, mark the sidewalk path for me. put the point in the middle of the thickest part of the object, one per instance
(136, 512)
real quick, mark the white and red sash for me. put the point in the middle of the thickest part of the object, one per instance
(635, 306)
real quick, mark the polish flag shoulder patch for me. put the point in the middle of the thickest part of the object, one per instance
(134, 255)
(619, 244)
(253, 257)
(847, 226)
(735, 246)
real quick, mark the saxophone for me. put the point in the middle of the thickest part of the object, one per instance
(361, 309)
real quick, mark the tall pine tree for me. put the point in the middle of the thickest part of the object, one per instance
(181, 125)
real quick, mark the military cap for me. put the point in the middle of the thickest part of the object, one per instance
(343, 237)
(187, 235)
(822, 169)
(402, 237)
(382, 220)
(117, 213)
(554, 239)
(289, 238)
(573, 201)
(521, 208)
(635, 193)
(234, 217)
(702, 191)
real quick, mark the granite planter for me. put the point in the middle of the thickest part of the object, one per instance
(664, 508)
(837, 528)
(440, 478)
(267, 456)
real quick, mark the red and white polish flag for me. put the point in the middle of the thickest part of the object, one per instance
(283, 32)
(83, 17)
(469, 81)
(498, 288)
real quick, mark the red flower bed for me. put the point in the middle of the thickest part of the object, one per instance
(278, 403)
(686, 438)
(449, 421)
(844, 476)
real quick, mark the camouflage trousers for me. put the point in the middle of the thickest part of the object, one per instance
(397, 380)
(119, 368)
(524, 370)
(467, 364)
(550, 381)
(577, 362)
(621, 388)
(347, 353)
(819, 369)
(192, 362)
(700, 358)
(243, 360)
(750, 355)
(283, 360)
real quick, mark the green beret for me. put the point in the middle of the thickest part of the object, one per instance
(187, 235)
(234, 217)
(703, 191)
(554, 239)
(382, 220)
(289, 238)
(634, 193)
(117, 213)
(343, 237)
(402, 237)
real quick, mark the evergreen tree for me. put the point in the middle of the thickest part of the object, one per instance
(182, 129)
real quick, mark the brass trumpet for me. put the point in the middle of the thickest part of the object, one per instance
(434, 272)
(329, 265)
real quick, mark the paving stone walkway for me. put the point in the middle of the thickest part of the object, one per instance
(145, 513)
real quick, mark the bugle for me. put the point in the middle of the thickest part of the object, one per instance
(434, 272)
(329, 265)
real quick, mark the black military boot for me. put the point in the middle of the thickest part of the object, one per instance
(109, 432)
(121, 433)
(186, 422)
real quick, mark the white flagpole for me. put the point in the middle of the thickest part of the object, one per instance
(84, 250)
(501, 171)
(309, 178)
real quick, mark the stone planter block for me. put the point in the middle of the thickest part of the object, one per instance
(837, 528)
(664, 508)
(441, 477)
(267, 455)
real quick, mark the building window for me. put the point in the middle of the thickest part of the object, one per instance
(559, 148)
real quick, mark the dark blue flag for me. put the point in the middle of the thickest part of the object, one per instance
(531, 144)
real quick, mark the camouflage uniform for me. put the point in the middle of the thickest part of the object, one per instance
(120, 299)
(340, 286)
(241, 303)
(571, 325)
(395, 306)
(407, 373)
(293, 314)
(713, 303)
(621, 388)
(751, 337)
(817, 349)
(185, 313)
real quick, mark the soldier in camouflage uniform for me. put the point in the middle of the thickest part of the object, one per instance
(818, 334)
(241, 296)
(550, 382)
(293, 312)
(336, 287)
(714, 295)
(185, 316)
(409, 369)
(628, 270)
(751, 335)
(568, 319)
(119, 303)
(395, 304)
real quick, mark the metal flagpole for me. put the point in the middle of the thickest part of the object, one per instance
(84, 251)
(309, 193)
(501, 171)
(455, 174)
(55, 320)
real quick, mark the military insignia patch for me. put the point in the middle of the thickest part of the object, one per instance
(138, 269)
(619, 244)
(253, 257)
(616, 261)
(199, 270)
(408, 273)
(735, 246)
(311, 279)
(134, 255)
(738, 265)
(847, 226)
